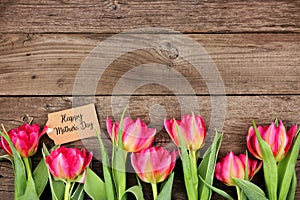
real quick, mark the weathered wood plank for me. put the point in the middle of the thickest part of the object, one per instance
(7, 180)
(47, 64)
(239, 110)
(108, 16)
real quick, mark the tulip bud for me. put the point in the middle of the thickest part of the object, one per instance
(68, 163)
(192, 128)
(25, 138)
(153, 165)
(232, 166)
(276, 137)
(136, 136)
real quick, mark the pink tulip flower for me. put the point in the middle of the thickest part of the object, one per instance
(276, 137)
(25, 138)
(153, 165)
(192, 128)
(232, 166)
(68, 163)
(136, 136)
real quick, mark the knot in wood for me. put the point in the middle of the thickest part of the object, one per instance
(168, 50)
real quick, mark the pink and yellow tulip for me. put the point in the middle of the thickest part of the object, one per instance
(25, 138)
(136, 136)
(153, 165)
(276, 137)
(232, 166)
(192, 128)
(68, 163)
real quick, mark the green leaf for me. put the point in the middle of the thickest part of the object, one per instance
(136, 190)
(166, 192)
(217, 190)
(246, 168)
(39, 177)
(192, 193)
(293, 186)
(206, 168)
(243, 195)
(109, 186)
(30, 192)
(57, 187)
(252, 191)
(78, 193)
(94, 186)
(286, 169)
(19, 169)
(269, 166)
(119, 161)
(119, 171)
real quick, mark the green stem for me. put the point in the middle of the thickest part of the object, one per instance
(154, 190)
(67, 190)
(238, 190)
(27, 166)
(193, 161)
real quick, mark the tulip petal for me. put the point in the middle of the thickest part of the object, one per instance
(192, 129)
(232, 166)
(109, 127)
(68, 163)
(154, 164)
(290, 136)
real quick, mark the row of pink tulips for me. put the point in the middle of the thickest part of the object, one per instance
(152, 164)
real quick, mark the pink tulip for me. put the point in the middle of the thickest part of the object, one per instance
(232, 166)
(153, 165)
(25, 138)
(192, 128)
(136, 136)
(276, 137)
(68, 163)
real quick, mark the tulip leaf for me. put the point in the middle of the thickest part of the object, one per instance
(247, 167)
(192, 193)
(252, 191)
(136, 190)
(119, 161)
(166, 191)
(30, 192)
(217, 190)
(78, 194)
(19, 169)
(94, 186)
(206, 168)
(109, 186)
(269, 166)
(286, 169)
(292, 190)
(39, 177)
(57, 187)
(119, 171)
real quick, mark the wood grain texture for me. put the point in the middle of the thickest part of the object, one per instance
(108, 16)
(239, 110)
(254, 44)
(47, 64)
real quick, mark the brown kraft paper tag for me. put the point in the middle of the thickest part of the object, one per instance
(73, 124)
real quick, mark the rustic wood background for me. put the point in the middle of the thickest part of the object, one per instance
(255, 45)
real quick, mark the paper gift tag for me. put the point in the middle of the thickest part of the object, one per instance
(73, 124)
